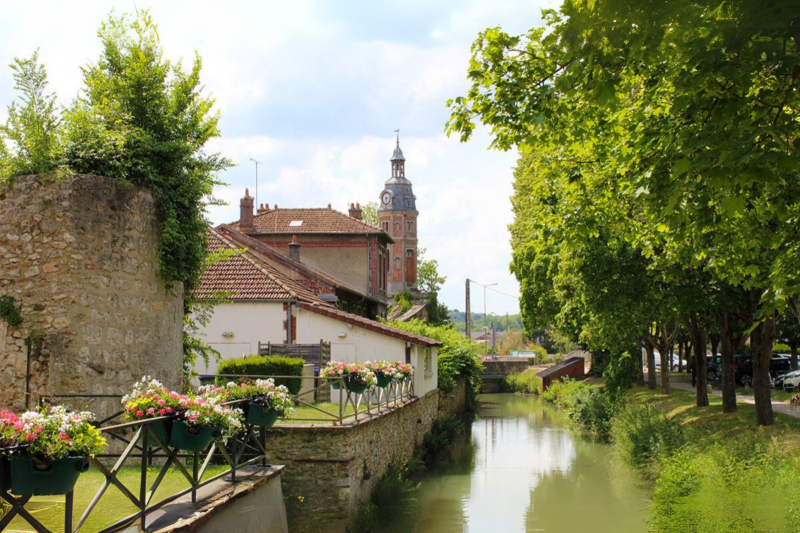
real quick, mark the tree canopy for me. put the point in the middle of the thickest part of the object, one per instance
(659, 162)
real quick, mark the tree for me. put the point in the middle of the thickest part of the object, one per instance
(428, 277)
(33, 127)
(144, 120)
(678, 115)
(369, 214)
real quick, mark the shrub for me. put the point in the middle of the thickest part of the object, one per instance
(781, 348)
(526, 382)
(268, 365)
(458, 357)
(617, 375)
(644, 437)
(593, 410)
(9, 311)
(564, 393)
(438, 440)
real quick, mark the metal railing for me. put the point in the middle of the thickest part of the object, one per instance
(145, 447)
(314, 398)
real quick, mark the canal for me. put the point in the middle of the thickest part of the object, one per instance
(521, 468)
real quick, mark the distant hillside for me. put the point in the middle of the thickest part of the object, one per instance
(502, 322)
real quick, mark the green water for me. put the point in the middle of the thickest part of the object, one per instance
(522, 469)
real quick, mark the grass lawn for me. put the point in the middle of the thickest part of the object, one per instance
(707, 425)
(112, 506)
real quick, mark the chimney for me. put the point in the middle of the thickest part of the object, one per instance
(263, 208)
(246, 212)
(294, 249)
(355, 211)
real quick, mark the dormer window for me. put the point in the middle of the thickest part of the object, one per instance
(295, 223)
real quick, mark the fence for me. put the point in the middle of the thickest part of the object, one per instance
(145, 446)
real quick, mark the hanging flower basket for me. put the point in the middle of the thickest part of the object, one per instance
(335, 384)
(195, 420)
(266, 402)
(43, 453)
(191, 438)
(40, 477)
(261, 415)
(384, 372)
(383, 380)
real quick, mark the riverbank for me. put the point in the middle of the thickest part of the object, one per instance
(711, 471)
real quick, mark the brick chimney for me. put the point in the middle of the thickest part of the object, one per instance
(246, 212)
(263, 208)
(355, 211)
(294, 249)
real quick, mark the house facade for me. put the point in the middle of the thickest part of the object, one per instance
(265, 305)
(342, 246)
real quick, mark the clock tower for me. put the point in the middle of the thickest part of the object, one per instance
(398, 216)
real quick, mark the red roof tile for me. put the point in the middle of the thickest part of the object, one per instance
(320, 220)
(246, 277)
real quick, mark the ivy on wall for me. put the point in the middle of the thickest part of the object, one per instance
(9, 311)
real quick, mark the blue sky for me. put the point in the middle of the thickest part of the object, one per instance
(314, 90)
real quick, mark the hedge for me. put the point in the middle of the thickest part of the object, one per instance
(267, 365)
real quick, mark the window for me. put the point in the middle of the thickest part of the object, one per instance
(385, 227)
(409, 203)
(296, 223)
(397, 263)
(409, 253)
(409, 226)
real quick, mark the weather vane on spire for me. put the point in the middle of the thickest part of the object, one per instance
(397, 131)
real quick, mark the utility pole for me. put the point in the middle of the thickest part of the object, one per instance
(257, 163)
(469, 315)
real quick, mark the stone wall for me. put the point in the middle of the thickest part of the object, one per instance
(329, 469)
(80, 255)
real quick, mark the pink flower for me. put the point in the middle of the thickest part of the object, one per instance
(38, 430)
(19, 425)
(161, 412)
(30, 437)
(63, 436)
(151, 411)
(139, 413)
(162, 402)
(168, 409)
(192, 419)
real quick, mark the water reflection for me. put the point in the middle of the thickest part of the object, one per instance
(522, 469)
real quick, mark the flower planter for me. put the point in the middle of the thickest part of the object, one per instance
(260, 416)
(336, 384)
(33, 476)
(162, 430)
(383, 380)
(356, 387)
(191, 438)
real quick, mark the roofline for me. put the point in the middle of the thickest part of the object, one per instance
(365, 323)
(247, 240)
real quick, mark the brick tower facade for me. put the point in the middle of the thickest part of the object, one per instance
(398, 215)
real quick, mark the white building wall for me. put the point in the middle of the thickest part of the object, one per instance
(353, 344)
(236, 328)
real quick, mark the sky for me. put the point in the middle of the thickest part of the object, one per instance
(314, 90)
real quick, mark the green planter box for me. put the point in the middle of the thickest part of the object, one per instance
(258, 415)
(32, 477)
(355, 387)
(336, 385)
(383, 380)
(162, 429)
(185, 438)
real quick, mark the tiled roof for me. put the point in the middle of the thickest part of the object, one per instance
(321, 220)
(268, 254)
(246, 277)
(371, 325)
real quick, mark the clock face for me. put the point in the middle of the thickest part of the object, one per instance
(386, 198)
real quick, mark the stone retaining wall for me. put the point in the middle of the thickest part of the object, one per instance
(80, 254)
(329, 469)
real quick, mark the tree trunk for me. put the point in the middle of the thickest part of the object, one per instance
(728, 373)
(651, 366)
(762, 338)
(793, 347)
(714, 340)
(664, 349)
(640, 374)
(680, 356)
(699, 342)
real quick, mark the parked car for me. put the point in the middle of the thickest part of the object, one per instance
(714, 367)
(675, 361)
(778, 366)
(789, 382)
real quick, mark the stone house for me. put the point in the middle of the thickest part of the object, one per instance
(267, 306)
